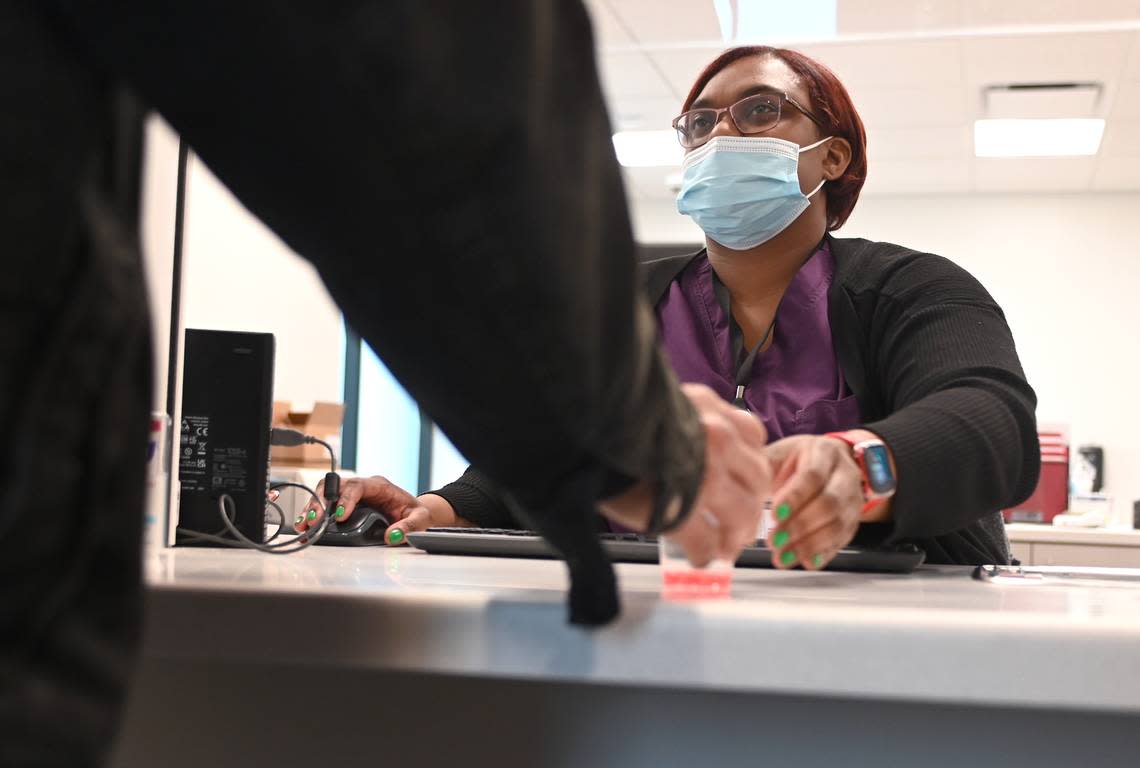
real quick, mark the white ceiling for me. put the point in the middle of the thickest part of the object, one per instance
(917, 71)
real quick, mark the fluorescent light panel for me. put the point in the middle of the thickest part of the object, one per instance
(1062, 137)
(648, 149)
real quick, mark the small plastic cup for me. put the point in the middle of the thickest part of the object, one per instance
(767, 523)
(681, 580)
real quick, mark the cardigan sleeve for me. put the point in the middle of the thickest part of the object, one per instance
(962, 425)
(474, 497)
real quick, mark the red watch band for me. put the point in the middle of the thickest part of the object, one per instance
(870, 502)
(844, 437)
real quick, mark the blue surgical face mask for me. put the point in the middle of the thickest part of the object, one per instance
(744, 190)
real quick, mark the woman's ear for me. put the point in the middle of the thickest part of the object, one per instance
(836, 158)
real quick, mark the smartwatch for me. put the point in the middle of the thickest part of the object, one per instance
(874, 461)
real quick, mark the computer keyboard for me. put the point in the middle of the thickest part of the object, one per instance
(640, 548)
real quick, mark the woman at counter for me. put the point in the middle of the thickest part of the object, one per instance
(887, 378)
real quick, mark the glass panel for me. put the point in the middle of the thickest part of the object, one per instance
(388, 435)
(447, 463)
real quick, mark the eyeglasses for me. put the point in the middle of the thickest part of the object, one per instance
(753, 114)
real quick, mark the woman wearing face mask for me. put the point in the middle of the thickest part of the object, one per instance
(887, 378)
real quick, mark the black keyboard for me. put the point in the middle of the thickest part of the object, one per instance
(639, 548)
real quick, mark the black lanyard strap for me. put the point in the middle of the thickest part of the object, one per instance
(736, 340)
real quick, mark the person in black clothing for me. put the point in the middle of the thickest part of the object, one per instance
(862, 340)
(438, 164)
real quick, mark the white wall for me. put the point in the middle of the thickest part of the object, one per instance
(159, 182)
(1066, 270)
(237, 275)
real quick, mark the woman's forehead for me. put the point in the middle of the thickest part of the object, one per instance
(728, 85)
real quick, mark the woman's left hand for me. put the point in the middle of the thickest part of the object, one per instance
(817, 500)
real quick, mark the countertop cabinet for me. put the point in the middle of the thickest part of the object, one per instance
(1049, 545)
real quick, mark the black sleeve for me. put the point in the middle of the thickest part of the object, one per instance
(450, 173)
(962, 426)
(475, 498)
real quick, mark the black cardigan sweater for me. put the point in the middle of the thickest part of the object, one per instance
(929, 356)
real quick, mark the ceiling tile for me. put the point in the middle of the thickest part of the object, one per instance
(1127, 103)
(1117, 174)
(884, 16)
(902, 107)
(1121, 139)
(944, 143)
(1041, 58)
(1132, 70)
(1069, 174)
(681, 67)
(918, 97)
(916, 66)
(678, 21)
(986, 13)
(860, 17)
(608, 30)
(633, 114)
(897, 177)
(892, 64)
(631, 75)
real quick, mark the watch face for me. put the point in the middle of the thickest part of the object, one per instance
(878, 464)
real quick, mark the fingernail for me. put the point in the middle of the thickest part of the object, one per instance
(300, 519)
(788, 557)
(783, 512)
(396, 536)
(340, 510)
(312, 514)
(780, 538)
(817, 561)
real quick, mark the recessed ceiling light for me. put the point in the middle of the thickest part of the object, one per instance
(1059, 137)
(647, 149)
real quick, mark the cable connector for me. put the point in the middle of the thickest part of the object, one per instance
(288, 437)
(332, 487)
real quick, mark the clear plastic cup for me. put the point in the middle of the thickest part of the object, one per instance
(681, 580)
(767, 522)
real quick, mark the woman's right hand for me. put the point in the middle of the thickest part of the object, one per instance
(407, 512)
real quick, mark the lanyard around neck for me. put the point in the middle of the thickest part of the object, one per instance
(736, 335)
(736, 339)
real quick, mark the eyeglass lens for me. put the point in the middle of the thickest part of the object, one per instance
(751, 115)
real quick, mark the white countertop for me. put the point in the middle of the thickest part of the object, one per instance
(1056, 534)
(936, 635)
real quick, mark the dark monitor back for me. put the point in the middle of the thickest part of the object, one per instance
(227, 405)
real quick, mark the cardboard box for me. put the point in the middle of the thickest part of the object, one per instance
(324, 421)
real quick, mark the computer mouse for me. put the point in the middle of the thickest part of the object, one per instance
(364, 527)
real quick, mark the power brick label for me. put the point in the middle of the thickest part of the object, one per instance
(193, 454)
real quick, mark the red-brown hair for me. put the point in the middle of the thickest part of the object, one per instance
(830, 102)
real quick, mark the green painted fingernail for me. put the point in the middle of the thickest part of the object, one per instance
(817, 561)
(312, 514)
(396, 536)
(788, 557)
(340, 511)
(780, 538)
(783, 512)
